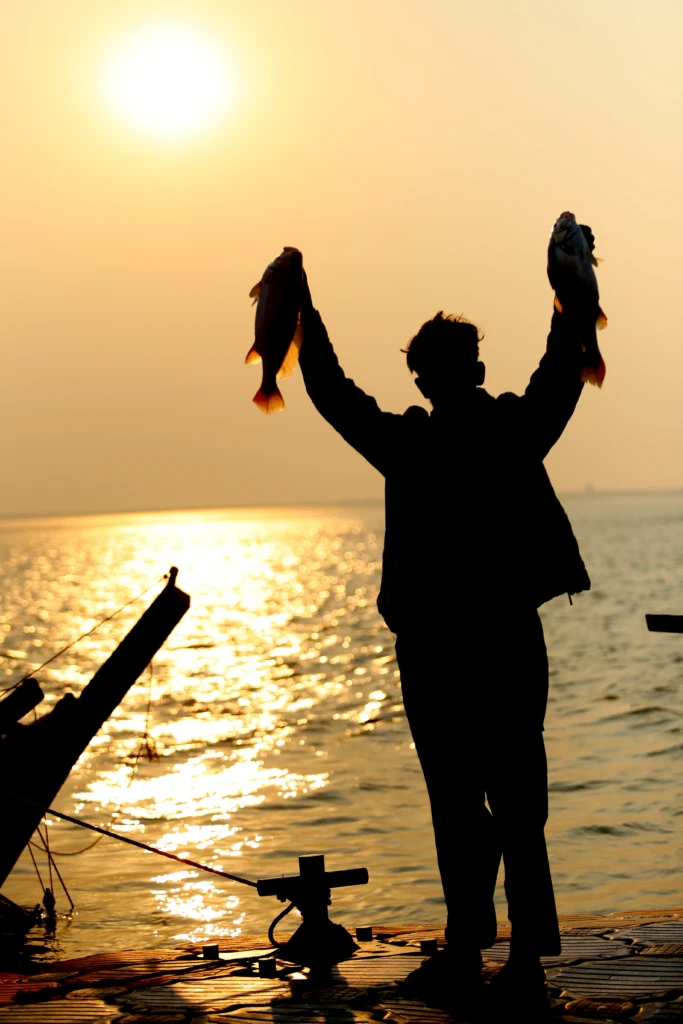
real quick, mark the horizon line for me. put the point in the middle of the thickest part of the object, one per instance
(586, 492)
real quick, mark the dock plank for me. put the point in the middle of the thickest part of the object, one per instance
(60, 1011)
(326, 1014)
(600, 1008)
(230, 992)
(574, 948)
(634, 978)
(405, 1011)
(667, 1013)
(615, 967)
(656, 934)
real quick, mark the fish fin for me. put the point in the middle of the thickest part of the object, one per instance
(594, 374)
(598, 259)
(255, 292)
(253, 356)
(601, 322)
(292, 354)
(558, 305)
(269, 403)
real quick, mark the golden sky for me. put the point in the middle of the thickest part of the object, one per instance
(417, 154)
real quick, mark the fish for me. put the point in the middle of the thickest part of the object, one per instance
(571, 272)
(278, 333)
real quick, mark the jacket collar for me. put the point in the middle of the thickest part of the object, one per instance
(472, 403)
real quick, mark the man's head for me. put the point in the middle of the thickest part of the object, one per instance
(444, 355)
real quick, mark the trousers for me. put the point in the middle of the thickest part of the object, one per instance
(475, 700)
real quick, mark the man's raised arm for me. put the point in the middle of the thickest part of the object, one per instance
(352, 413)
(554, 388)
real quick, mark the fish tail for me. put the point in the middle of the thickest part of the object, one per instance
(594, 374)
(269, 401)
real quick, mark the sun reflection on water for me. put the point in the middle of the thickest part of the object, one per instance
(199, 787)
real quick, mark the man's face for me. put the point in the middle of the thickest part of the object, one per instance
(451, 381)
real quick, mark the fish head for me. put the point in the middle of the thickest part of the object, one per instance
(571, 241)
(291, 258)
(289, 263)
(564, 227)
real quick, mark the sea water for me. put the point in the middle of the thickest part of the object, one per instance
(275, 709)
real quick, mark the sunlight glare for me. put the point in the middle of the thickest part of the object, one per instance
(168, 80)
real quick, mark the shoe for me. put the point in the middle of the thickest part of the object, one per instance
(518, 990)
(450, 979)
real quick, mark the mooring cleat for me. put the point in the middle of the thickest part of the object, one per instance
(317, 943)
(318, 946)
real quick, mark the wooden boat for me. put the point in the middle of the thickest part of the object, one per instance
(36, 758)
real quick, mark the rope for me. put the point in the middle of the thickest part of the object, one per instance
(131, 842)
(73, 643)
(271, 930)
(40, 880)
(53, 863)
(147, 746)
(46, 843)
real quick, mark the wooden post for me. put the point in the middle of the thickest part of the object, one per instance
(35, 759)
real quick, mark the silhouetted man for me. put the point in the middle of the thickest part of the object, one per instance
(475, 541)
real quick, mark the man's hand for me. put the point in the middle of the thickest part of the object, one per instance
(306, 300)
(313, 327)
(311, 323)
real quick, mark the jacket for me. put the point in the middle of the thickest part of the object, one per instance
(472, 520)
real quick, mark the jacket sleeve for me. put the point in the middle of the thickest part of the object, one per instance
(554, 389)
(352, 413)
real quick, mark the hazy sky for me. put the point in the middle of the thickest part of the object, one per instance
(418, 154)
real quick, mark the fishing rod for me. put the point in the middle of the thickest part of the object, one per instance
(131, 842)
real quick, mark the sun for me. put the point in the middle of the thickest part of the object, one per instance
(168, 80)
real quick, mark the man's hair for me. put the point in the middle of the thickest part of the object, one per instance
(440, 342)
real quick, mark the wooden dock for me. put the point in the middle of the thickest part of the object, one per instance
(616, 968)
